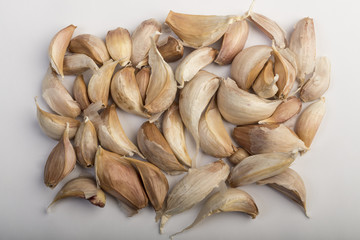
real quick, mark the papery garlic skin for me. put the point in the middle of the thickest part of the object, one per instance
(78, 63)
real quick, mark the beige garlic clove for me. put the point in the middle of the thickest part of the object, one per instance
(290, 184)
(193, 188)
(161, 90)
(303, 44)
(265, 83)
(238, 156)
(174, 133)
(214, 138)
(141, 41)
(82, 187)
(192, 63)
(119, 45)
(248, 63)
(309, 121)
(86, 143)
(286, 110)
(80, 92)
(233, 42)
(99, 84)
(91, 46)
(172, 50)
(156, 149)
(54, 125)
(155, 182)
(317, 85)
(142, 79)
(231, 200)
(116, 176)
(125, 92)
(241, 107)
(60, 162)
(57, 96)
(270, 28)
(260, 166)
(268, 138)
(78, 63)
(194, 98)
(58, 46)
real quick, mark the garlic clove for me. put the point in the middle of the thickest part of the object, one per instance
(238, 156)
(80, 92)
(265, 84)
(119, 45)
(78, 63)
(142, 79)
(172, 50)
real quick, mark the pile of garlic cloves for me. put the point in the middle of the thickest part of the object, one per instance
(273, 98)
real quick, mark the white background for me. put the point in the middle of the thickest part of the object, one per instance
(330, 170)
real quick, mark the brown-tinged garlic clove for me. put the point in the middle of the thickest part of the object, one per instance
(142, 79)
(172, 50)
(119, 45)
(265, 83)
(238, 156)
(80, 92)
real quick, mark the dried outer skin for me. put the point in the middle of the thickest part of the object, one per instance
(303, 44)
(269, 138)
(248, 63)
(238, 156)
(80, 92)
(156, 149)
(309, 121)
(260, 166)
(317, 85)
(116, 176)
(173, 130)
(141, 41)
(172, 50)
(233, 42)
(142, 79)
(290, 184)
(58, 46)
(214, 139)
(193, 188)
(119, 45)
(57, 96)
(82, 187)
(265, 83)
(241, 107)
(270, 28)
(78, 63)
(286, 110)
(91, 46)
(193, 63)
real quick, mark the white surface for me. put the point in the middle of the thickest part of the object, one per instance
(330, 169)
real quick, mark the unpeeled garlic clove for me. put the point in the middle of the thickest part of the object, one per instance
(161, 90)
(286, 110)
(194, 98)
(78, 63)
(125, 92)
(290, 184)
(118, 177)
(119, 45)
(99, 84)
(82, 187)
(214, 139)
(260, 166)
(60, 162)
(268, 138)
(248, 63)
(233, 42)
(141, 41)
(54, 125)
(86, 143)
(231, 200)
(241, 107)
(193, 188)
(80, 92)
(303, 44)
(173, 130)
(265, 83)
(172, 50)
(57, 96)
(156, 149)
(309, 121)
(238, 156)
(142, 79)
(317, 85)
(58, 46)
(91, 46)
(192, 63)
